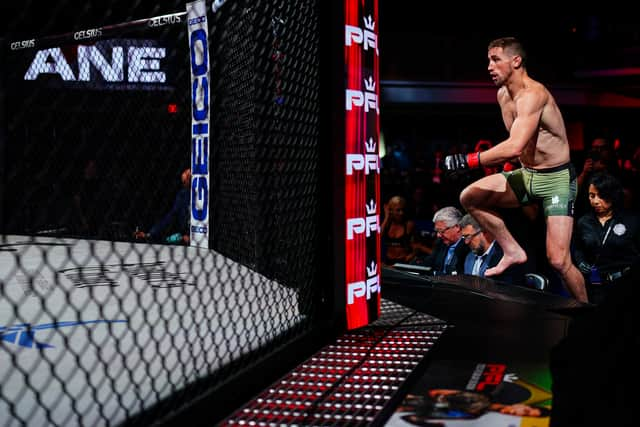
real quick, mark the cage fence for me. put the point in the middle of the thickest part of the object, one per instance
(107, 315)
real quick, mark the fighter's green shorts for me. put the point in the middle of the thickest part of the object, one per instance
(556, 187)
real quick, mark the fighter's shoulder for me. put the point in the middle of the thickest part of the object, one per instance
(503, 95)
(534, 87)
(534, 93)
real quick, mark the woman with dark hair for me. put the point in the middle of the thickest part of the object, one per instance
(397, 233)
(607, 239)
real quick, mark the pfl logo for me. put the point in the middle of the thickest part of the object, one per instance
(369, 224)
(368, 98)
(367, 162)
(364, 288)
(367, 37)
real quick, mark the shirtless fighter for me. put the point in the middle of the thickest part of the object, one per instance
(537, 136)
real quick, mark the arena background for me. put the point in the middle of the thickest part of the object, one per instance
(50, 131)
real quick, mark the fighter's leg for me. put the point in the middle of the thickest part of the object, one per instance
(559, 229)
(480, 199)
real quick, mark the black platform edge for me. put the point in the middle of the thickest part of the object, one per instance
(486, 288)
(357, 379)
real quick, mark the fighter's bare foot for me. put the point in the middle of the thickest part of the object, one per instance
(507, 261)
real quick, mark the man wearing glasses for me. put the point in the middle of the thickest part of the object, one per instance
(450, 251)
(485, 252)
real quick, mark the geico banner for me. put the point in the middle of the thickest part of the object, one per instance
(362, 163)
(199, 53)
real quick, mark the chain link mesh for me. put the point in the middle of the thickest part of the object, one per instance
(98, 327)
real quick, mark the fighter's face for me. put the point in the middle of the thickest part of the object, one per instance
(500, 67)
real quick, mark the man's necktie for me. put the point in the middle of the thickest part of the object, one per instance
(477, 264)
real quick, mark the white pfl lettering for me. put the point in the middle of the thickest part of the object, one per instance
(367, 162)
(364, 288)
(369, 224)
(367, 37)
(368, 98)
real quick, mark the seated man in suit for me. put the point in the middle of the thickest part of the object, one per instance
(449, 251)
(485, 252)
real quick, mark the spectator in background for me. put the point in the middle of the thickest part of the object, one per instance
(607, 239)
(174, 225)
(449, 251)
(600, 158)
(397, 232)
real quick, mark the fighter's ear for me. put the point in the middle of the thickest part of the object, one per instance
(517, 61)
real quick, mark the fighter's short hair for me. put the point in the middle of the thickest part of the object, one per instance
(512, 45)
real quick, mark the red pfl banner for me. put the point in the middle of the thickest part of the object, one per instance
(362, 162)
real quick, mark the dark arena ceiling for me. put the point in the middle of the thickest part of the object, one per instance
(417, 42)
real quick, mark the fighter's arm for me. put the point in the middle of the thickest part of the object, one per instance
(524, 128)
